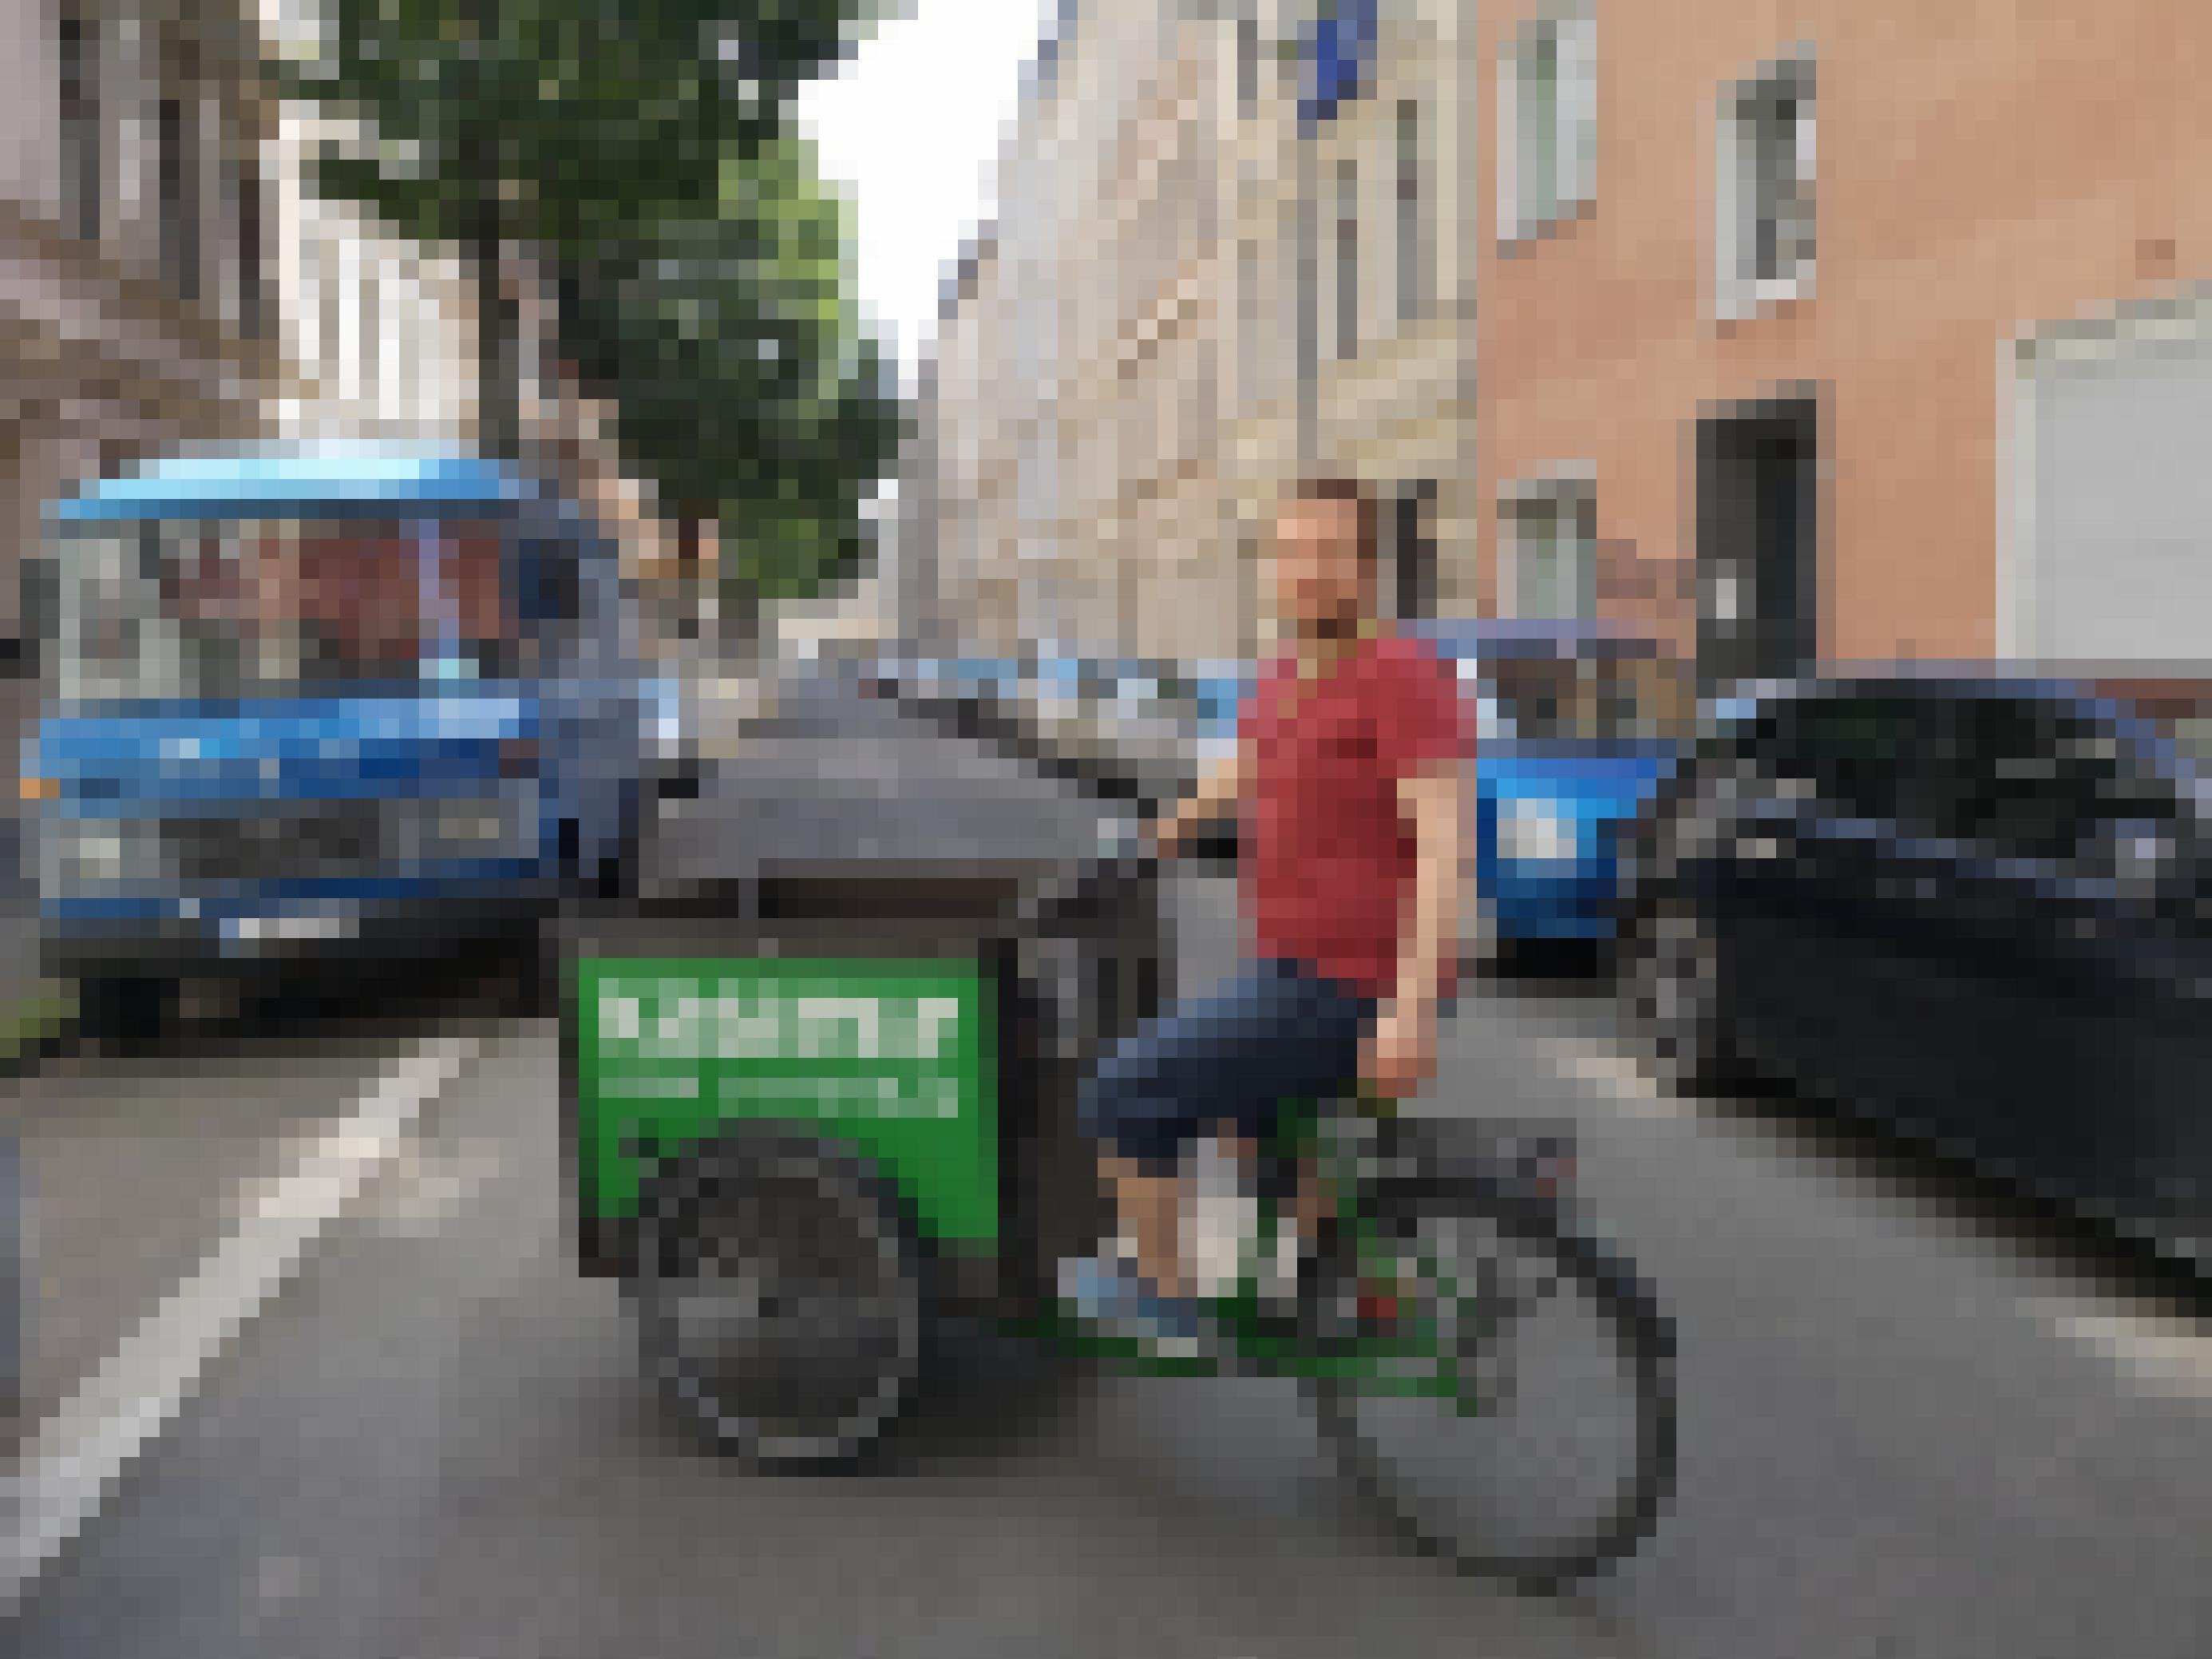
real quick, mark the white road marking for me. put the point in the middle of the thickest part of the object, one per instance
(1633, 1090)
(2161, 1351)
(73, 1462)
(2154, 1351)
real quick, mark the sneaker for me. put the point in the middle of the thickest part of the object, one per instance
(1107, 1293)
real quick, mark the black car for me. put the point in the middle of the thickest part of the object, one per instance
(1978, 910)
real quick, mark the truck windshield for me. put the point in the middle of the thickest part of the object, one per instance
(197, 608)
(1622, 697)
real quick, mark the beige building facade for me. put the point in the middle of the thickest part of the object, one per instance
(1190, 296)
(137, 303)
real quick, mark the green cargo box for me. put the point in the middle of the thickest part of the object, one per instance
(831, 934)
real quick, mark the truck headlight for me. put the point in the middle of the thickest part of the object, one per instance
(1535, 832)
(471, 828)
(102, 853)
(469, 823)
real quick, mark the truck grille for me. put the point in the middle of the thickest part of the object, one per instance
(278, 842)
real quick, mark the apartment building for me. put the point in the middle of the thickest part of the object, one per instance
(1380, 218)
(137, 303)
(959, 461)
(1228, 251)
(1081, 498)
(1822, 332)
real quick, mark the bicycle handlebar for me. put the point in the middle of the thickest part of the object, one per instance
(1061, 900)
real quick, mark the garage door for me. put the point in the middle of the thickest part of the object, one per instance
(2119, 565)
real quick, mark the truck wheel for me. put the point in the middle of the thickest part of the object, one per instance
(779, 1298)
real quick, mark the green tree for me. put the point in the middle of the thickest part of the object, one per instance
(729, 348)
(641, 151)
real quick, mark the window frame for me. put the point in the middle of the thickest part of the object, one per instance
(1554, 499)
(1536, 196)
(2105, 790)
(1745, 183)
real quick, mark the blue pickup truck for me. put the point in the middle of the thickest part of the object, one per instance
(328, 702)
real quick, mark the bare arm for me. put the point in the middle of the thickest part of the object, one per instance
(1431, 801)
(1399, 1055)
(1216, 796)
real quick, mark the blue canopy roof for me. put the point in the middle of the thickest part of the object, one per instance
(332, 481)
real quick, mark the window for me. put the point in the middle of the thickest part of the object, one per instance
(1249, 324)
(1552, 531)
(1858, 752)
(205, 608)
(1597, 694)
(1765, 152)
(1547, 123)
(1413, 551)
(79, 41)
(2036, 780)
(253, 318)
(178, 176)
(1347, 260)
(1413, 274)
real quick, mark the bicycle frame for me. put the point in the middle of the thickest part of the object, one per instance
(1397, 1354)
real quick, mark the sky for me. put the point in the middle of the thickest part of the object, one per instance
(911, 128)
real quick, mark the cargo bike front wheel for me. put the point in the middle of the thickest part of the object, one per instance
(1499, 1389)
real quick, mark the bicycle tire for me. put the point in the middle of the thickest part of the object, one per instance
(1646, 1342)
(729, 1186)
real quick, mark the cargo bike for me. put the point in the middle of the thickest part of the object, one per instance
(817, 1084)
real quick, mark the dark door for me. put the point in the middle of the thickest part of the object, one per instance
(1757, 560)
(2077, 1067)
(1823, 882)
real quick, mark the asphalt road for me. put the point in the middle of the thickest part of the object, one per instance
(1904, 1433)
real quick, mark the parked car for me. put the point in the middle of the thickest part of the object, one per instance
(1977, 911)
(1576, 725)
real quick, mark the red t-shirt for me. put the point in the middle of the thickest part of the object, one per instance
(1328, 855)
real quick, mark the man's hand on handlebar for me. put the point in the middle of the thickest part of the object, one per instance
(1214, 799)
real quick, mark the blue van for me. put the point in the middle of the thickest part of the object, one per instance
(338, 702)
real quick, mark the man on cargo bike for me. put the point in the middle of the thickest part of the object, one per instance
(799, 1127)
(1348, 771)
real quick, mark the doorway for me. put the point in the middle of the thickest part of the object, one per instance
(1758, 555)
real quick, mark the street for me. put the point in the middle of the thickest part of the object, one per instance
(1904, 1432)
(735, 505)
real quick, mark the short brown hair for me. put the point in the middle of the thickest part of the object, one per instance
(1362, 499)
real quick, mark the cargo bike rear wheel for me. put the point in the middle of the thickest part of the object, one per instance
(779, 1300)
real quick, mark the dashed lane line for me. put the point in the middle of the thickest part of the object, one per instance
(2158, 1352)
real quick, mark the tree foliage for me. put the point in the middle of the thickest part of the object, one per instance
(643, 151)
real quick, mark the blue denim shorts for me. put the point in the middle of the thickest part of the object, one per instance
(1275, 1031)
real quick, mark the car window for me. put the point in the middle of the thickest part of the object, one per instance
(2039, 780)
(1864, 754)
(1596, 698)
